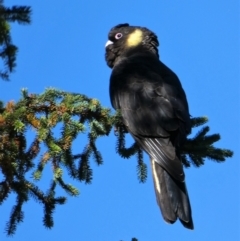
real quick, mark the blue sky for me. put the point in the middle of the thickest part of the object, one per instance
(64, 48)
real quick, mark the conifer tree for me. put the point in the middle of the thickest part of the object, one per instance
(77, 114)
(8, 51)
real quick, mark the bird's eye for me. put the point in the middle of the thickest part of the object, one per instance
(118, 35)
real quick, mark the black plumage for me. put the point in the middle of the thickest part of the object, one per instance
(155, 111)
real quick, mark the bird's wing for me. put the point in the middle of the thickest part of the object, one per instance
(153, 105)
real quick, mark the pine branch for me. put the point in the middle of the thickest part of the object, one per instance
(199, 148)
(141, 167)
(19, 14)
(8, 51)
(77, 115)
(195, 151)
(42, 113)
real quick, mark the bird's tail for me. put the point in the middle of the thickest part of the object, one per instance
(172, 197)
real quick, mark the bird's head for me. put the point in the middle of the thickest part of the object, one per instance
(124, 39)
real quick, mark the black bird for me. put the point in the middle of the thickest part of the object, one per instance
(155, 111)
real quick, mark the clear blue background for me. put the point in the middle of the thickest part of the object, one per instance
(64, 48)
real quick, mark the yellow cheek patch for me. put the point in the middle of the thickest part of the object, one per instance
(135, 38)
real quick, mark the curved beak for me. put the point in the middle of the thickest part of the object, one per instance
(108, 43)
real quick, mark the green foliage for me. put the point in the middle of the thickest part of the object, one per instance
(76, 114)
(8, 51)
(195, 151)
(199, 148)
